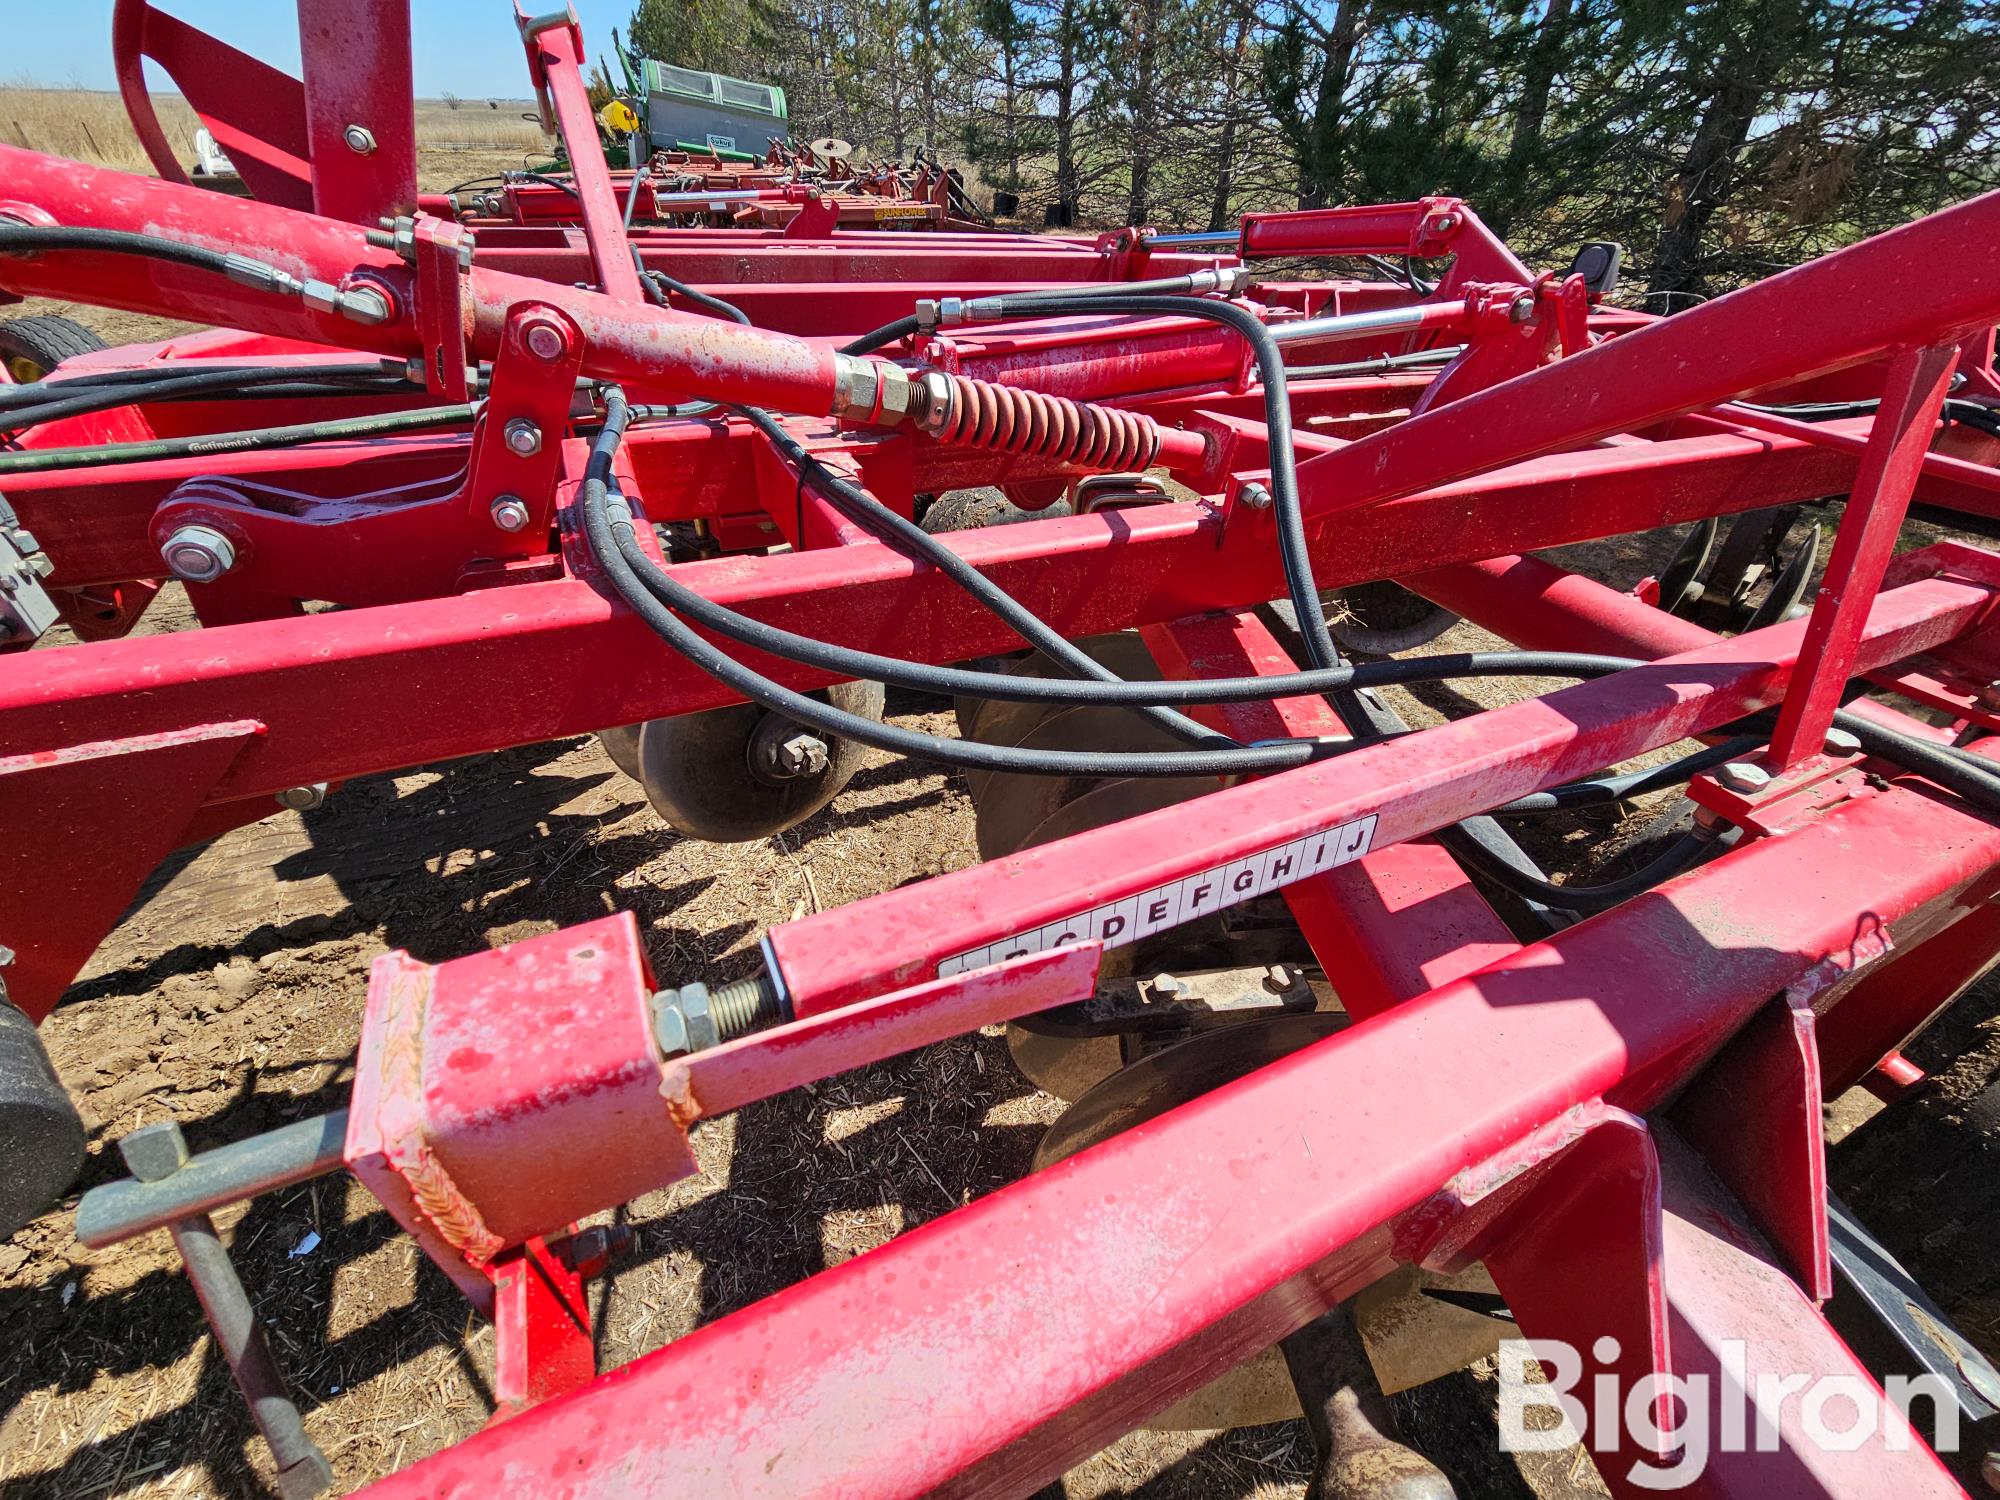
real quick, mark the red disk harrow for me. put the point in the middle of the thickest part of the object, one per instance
(438, 485)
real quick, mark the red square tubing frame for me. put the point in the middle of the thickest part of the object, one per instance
(1374, 797)
(988, 1350)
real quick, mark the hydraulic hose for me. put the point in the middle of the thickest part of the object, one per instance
(659, 283)
(1299, 585)
(384, 424)
(908, 537)
(1678, 856)
(55, 385)
(884, 336)
(29, 238)
(612, 541)
(311, 378)
(1605, 789)
(615, 544)
(903, 327)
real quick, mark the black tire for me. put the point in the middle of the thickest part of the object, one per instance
(41, 1135)
(32, 347)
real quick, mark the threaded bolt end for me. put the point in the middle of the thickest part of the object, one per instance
(746, 1005)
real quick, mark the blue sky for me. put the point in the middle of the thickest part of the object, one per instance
(466, 47)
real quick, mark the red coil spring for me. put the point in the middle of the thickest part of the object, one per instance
(985, 415)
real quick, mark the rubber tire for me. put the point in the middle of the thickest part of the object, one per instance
(695, 769)
(31, 348)
(41, 1134)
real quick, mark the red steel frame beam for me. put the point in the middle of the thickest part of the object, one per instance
(1396, 922)
(1707, 354)
(329, 689)
(1616, 386)
(555, 60)
(1373, 797)
(355, 63)
(323, 683)
(1011, 1338)
(1902, 432)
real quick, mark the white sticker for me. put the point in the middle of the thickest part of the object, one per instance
(1117, 923)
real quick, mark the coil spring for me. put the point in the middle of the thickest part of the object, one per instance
(981, 414)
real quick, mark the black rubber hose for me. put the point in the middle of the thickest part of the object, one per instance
(864, 510)
(1299, 585)
(383, 424)
(35, 237)
(887, 334)
(917, 676)
(846, 661)
(1972, 777)
(616, 546)
(908, 537)
(545, 181)
(1678, 856)
(93, 380)
(612, 542)
(1606, 789)
(661, 283)
(902, 328)
(181, 387)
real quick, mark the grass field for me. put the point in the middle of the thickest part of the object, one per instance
(90, 126)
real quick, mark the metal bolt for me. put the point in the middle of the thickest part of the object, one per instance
(360, 140)
(670, 1026)
(1840, 742)
(155, 1152)
(303, 798)
(1255, 495)
(198, 554)
(524, 438)
(1168, 986)
(1282, 978)
(366, 305)
(1521, 308)
(682, 1021)
(802, 755)
(1743, 776)
(509, 512)
(545, 341)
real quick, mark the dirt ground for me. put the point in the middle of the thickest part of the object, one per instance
(230, 1000)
